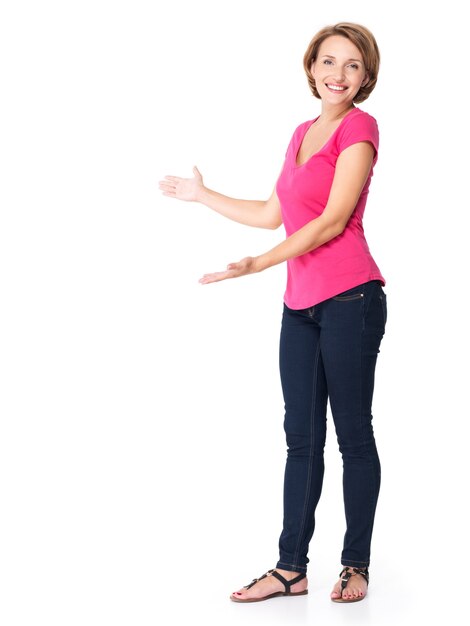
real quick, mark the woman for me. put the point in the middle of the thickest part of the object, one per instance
(334, 306)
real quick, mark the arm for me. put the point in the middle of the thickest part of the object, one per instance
(352, 169)
(262, 214)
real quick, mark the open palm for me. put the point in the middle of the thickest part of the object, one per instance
(182, 188)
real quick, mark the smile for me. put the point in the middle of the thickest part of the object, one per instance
(336, 87)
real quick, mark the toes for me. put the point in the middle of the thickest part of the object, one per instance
(348, 594)
(352, 593)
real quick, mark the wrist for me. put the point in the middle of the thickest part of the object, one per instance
(201, 195)
(259, 264)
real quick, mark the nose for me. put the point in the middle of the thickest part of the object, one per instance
(339, 74)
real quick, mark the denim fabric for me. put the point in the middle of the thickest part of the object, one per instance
(329, 352)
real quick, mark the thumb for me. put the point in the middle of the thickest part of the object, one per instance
(197, 173)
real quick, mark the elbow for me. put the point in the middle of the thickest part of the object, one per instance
(271, 223)
(335, 229)
(274, 225)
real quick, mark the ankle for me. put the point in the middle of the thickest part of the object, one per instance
(288, 574)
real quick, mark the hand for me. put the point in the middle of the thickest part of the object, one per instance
(234, 270)
(182, 188)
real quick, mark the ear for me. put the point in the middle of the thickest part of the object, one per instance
(365, 81)
(312, 68)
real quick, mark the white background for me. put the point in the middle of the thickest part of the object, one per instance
(141, 447)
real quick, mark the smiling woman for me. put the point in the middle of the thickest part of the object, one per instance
(361, 39)
(334, 306)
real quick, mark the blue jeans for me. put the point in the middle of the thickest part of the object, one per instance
(329, 351)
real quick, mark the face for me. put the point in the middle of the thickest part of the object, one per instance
(338, 70)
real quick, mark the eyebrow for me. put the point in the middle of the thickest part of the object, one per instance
(330, 56)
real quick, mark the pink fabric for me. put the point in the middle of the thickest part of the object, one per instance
(345, 261)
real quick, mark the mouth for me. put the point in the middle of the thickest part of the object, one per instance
(336, 88)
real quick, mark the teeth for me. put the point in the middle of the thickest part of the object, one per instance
(336, 87)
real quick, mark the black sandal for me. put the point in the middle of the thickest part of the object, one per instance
(287, 585)
(345, 575)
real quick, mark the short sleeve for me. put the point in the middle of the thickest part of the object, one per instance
(359, 127)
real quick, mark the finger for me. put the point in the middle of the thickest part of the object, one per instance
(214, 277)
(211, 278)
(171, 180)
(196, 172)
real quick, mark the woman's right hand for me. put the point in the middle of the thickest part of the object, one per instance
(183, 188)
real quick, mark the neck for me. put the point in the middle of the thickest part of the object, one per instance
(332, 114)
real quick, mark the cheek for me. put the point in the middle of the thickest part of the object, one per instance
(319, 73)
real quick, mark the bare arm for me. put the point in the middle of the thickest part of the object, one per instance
(259, 213)
(352, 169)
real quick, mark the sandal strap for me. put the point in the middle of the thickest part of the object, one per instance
(287, 583)
(272, 572)
(345, 575)
(255, 580)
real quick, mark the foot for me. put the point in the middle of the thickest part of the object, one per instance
(356, 588)
(269, 585)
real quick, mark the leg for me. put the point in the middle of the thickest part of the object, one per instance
(352, 328)
(305, 396)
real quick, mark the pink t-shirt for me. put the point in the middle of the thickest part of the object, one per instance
(345, 261)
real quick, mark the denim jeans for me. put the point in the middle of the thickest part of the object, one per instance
(329, 351)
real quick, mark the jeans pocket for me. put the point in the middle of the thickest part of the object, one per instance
(356, 293)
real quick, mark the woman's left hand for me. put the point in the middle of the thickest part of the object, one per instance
(234, 270)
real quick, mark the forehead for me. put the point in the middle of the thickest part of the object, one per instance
(338, 46)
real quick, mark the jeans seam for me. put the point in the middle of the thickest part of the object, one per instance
(310, 466)
(361, 421)
(361, 416)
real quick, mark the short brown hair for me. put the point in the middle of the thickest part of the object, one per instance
(362, 38)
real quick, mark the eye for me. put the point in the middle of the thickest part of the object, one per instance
(327, 62)
(354, 66)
